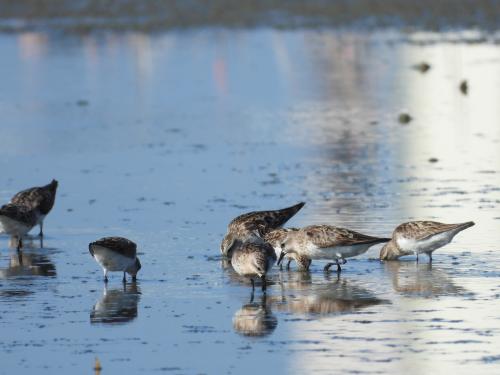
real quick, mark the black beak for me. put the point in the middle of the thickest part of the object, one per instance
(282, 255)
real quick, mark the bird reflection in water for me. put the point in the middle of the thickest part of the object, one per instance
(337, 295)
(29, 241)
(255, 319)
(421, 279)
(117, 305)
(23, 263)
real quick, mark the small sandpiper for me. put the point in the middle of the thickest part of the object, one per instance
(276, 237)
(41, 199)
(17, 220)
(116, 254)
(417, 237)
(327, 242)
(253, 226)
(253, 260)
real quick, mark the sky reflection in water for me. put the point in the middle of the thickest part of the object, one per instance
(163, 138)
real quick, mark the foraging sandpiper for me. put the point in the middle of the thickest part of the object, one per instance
(17, 220)
(327, 242)
(276, 237)
(253, 260)
(116, 254)
(417, 237)
(40, 199)
(253, 226)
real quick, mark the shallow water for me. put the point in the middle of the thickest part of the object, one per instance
(163, 138)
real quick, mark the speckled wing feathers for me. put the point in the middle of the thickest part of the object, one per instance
(261, 222)
(325, 236)
(120, 245)
(420, 230)
(40, 198)
(19, 213)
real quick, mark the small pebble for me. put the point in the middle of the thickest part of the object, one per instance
(404, 118)
(422, 67)
(464, 87)
(433, 160)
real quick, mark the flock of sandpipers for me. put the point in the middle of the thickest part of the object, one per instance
(253, 243)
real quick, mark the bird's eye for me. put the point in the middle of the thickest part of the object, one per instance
(283, 245)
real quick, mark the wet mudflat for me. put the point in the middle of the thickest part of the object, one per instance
(164, 137)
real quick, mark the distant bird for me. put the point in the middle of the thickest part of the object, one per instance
(464, 87)
(116, 254)
(422, 67)
(328, 242)
(253, 226)
(417, 237)
(276, 237)
(41, 199)
(17, 220)
(253, 260)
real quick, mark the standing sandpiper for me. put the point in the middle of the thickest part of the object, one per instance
(116, 254)
(41, 199)
(253, 260)
(417, 237)
(253, 226)
(276, 237)
(327, 242)
(17, 220)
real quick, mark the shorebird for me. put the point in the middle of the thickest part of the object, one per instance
(17, 220)
(41, 199)
(116, 254)
(276, 237)
(253, 226)
(327, 242)
(253, 260)
(417, 237)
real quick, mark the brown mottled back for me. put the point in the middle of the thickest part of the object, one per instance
(420, 230)
(325, 236)
(19, 213)
(119, 245)
(261, 222)
(39, 198)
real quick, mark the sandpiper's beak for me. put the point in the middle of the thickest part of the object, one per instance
(282, 255)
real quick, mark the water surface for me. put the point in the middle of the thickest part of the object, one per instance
(164, 137)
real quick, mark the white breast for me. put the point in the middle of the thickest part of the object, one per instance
(426, 245)
(110, 260)
(315, 252)
(13, 227)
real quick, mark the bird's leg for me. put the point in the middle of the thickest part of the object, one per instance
(430, 256)
(41, 230)
(264, 283)
(41, 242)
(327, 267)
(339, 269)
(105, 275)
(134, 278)
(288, 264)
(19, 243)
(251, 297)
(253, 285)
(124, 280)
(308, 264)
(417, 257)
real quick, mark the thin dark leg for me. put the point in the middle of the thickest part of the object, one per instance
(339, 269)
(327, 267)
(124, 278)
(264, 283)
(251, 297)
(430, 257)
(134, 278)
(288, 264)
(19, 243)
(253, 285)
(41, 229)
(41, 242)
(308, 264)
(105, 279)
